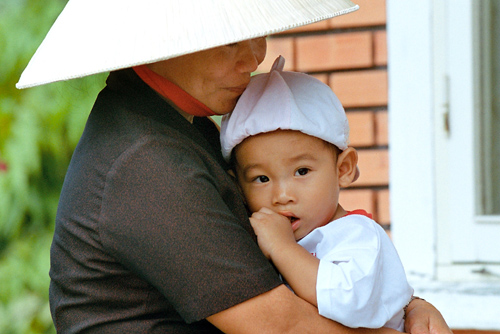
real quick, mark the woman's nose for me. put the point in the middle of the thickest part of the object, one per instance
(252, 53)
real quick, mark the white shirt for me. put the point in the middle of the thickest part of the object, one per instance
(361, 281)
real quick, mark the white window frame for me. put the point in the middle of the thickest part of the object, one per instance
(419, 97)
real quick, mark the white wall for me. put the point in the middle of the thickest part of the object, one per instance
(419, 163)
(409, 29)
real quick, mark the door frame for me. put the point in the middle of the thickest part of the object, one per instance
(419, 130)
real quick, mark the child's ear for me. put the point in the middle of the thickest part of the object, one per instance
(346, 165)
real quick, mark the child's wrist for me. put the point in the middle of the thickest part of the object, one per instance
(284, 251)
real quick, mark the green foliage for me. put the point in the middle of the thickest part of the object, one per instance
(39, 128)
(24, 282)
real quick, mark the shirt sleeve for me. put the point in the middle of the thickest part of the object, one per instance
(170, 216)
(361, 281)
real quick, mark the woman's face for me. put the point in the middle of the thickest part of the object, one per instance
(218, 76)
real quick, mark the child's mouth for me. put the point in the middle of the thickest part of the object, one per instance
(294, 222)
(290, 216)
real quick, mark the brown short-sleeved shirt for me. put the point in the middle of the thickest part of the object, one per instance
(151, 233)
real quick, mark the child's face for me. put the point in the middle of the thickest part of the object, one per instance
(292, 174)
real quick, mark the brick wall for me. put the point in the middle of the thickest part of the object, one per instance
(349, 53)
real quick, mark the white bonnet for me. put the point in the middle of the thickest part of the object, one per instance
(287, 101)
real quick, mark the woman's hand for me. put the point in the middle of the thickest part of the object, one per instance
(423, 318)
(274, 231)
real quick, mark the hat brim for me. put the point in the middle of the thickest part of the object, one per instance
(95, 36)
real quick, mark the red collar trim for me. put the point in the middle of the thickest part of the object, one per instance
(172, 92)
(359, 212)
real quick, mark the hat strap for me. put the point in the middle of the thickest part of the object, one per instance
(172, 92)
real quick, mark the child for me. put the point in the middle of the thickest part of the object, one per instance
(288, 142)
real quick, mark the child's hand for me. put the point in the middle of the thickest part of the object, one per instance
(277, 241)
(274, 231)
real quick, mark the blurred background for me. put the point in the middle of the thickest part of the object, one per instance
(39, 128)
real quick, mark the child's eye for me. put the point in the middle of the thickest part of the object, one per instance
(302, 171)
(261, 179)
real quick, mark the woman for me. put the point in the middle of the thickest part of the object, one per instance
(151, 233)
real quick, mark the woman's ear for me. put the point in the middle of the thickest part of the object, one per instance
(346, 166)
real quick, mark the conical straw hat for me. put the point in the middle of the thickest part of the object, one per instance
(94, 36)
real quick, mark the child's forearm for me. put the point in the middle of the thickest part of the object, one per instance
(300, 270)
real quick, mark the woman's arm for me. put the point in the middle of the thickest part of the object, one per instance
(423, 318)
(277, 242)
(280, 311)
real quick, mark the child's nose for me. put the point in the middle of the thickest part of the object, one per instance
(283, 194)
